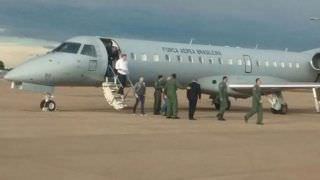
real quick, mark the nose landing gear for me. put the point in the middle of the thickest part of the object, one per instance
(278, 104)
(48, 104)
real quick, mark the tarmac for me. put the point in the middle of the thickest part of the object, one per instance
(86, 139)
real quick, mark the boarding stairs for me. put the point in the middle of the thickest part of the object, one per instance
(316, 97)
(110, 91)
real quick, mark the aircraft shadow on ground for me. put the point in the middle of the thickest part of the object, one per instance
(128, 110)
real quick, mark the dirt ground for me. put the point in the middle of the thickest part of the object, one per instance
(86, 139)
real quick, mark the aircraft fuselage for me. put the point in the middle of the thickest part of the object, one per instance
(78, 66)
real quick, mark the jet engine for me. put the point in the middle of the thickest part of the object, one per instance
(315, 62)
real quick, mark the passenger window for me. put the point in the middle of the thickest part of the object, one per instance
(220, 61)
(167, 57)
(144, 57)
(133, 56)
(297, 65)
(156, 58)
(230, 61)
(89, 50)
(239, 62)
(200, 60)
(275, 64)
(210, 61)
(290, 65)
(267, 64)
(190, 59)
(179, 58)
(282, 65)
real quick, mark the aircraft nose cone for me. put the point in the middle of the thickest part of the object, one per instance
(13, 76)
(23, 73)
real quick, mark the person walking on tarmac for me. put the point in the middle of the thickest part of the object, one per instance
(158, 86)
(170, 91)
(256, 104)
(223, 98)
(139, 92)
(193, 93)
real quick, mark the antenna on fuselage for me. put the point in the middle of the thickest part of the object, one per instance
(191, 41)
(257, 46)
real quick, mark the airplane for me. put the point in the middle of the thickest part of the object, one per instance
(85, 61)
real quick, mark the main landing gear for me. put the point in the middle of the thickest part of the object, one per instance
(278, 105)
(47, 104)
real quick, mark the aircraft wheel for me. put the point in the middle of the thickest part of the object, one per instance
(284, 109)
(51, 105)
(42, 104)
(48, 106)
(273, 111)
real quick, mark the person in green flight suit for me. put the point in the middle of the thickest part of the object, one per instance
(223, 98)
(170, 90)
(158, 86)
(256, 103)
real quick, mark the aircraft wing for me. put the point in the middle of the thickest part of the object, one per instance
(275, 86)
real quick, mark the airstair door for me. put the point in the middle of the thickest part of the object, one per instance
(248, 63)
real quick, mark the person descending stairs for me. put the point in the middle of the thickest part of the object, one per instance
(114, 90)
(110, 91)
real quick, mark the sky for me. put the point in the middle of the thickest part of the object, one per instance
(270, 24)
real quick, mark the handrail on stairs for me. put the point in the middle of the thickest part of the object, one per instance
(115, 76)
(118, 80)
(132, 87)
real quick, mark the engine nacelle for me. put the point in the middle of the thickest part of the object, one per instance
(315, 62)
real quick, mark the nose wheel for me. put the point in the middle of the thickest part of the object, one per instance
(48, 104)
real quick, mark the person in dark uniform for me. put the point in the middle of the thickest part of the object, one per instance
(256, 104)
(193, 93)
(158, 86)
(223, 98)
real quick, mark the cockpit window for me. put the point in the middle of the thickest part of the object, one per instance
(89, 50)
(68, 47)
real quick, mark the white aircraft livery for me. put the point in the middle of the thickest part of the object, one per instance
(84, 61)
